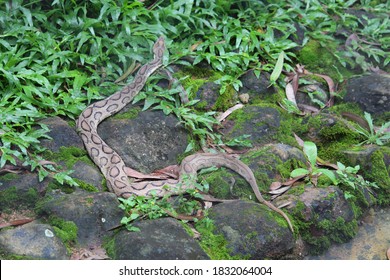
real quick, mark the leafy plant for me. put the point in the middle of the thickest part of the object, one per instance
(378, 136)
(312, 171)
(347, 176)
(141, 207)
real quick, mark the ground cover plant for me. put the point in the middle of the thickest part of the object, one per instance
(58, 56)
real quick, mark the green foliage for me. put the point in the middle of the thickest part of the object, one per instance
(313, 172)
(378, 136)
(58, 56)
(347, 176)
(141, 207)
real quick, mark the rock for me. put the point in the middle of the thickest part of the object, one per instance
(325, 203)
(208, 95)
(266, 163)
(261, 123)
(313, 95)
(370, 92)
(63, 135)
(87, 173)
(33, 240)
(20, 191)
(244, 98)
(373, 161)
(161, 239)
(256, 87)
(252, 230)
(93, 213)
(147, 142)
(324, 216)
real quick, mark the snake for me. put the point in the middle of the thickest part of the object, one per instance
(112, 165)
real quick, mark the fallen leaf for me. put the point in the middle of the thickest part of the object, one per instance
(16, 223)
(388, 254)
(290, 93)
(299, 140)
(280, 190)
(225, 114)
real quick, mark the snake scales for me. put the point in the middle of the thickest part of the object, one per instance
(112, 165)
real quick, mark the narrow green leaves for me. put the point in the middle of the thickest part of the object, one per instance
(278, 68)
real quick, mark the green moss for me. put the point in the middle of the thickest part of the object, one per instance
(215, 245)
(224, 184)
(13, 198)
(65, 230)
(380, 173)
(194, 77)
(6, 256)
(71, 155)
(109, 246)
(85, 186)
(226, 100)
(129, 114)
(320, 59)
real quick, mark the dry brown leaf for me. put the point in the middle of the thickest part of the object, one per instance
(280, 190)
(326, 163)
(299, 140)
(275, 185)
(16, 223)
(388, 254)
(290, 93)
(225, 114)
(308, 108)
(284, 204)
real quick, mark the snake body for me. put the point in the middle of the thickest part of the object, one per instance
(113, 167)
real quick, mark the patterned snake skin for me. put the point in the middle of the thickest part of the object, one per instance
(112, 165)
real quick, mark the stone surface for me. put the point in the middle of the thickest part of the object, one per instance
(20, 191)
(251, 230)
(147, 142)
(63, 135)
(256, 87)
(93, 213)
(370, 92)
(261, 123)
(33, 240)
(208, 94)
(161, 239)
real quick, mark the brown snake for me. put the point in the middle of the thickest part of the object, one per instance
(112, 165)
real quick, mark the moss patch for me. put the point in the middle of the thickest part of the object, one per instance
(320, 59)
(215, 245)
(65, 230)
(13, 198)
(128, 114)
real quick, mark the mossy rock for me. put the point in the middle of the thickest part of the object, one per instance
(268, 163)
(251, 230)
(261, 123)
(374, 162)
(322, 216)
(20, 191)
(319, 59)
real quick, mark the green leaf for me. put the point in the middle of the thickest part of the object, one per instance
(310, 150)
(299, 172)
(329, 173)
(278, 68)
